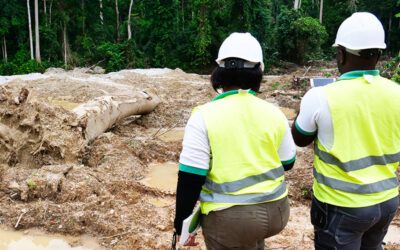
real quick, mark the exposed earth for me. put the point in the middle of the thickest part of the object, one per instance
(120, 188)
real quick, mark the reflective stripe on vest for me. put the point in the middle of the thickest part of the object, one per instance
(244, 198)
(233, 186)
(359, 163)
(349, 187)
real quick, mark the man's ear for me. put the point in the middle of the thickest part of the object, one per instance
(379, 56)
(341, 56)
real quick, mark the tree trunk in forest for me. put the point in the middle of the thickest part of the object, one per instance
(100, 114)
(65, 43)
(5, 49)
(296, 4)
(30, 28)
(321, 7)
(129, 20)
(37, 46)
(51, 4)
(83, 16)
(101, 13)
(117, 24)
(183, 14)
(45, 11)
(390, 29)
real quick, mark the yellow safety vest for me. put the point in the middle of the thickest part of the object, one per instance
(245, 133)
(360, 168)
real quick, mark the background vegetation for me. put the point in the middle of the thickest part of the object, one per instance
(117, 34)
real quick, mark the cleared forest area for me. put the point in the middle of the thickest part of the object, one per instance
(54, 180)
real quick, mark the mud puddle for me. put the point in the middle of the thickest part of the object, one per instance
(36, 240)
(64, 101)
(167, 135)
(162, 176)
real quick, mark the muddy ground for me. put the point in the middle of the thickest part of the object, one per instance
(51, 180)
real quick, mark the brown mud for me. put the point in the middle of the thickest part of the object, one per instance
(120, 189)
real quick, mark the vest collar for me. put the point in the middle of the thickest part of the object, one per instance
(357, 74)
(233, 92)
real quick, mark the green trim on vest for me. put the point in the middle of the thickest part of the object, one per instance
(357, 74)
(289, 161)
(192, 170)
(233, 92)
(302, 131)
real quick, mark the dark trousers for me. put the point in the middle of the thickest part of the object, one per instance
(345, 228)
(244, 227)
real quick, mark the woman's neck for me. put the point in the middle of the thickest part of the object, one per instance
(229, 88)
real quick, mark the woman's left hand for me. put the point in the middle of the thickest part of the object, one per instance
(191, 241)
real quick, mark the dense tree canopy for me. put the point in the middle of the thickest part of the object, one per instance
(175, 33)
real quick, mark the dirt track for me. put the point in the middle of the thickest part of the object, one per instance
(65, 186)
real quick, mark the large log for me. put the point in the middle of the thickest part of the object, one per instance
(99, 114)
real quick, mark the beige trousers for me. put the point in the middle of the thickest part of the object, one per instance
(244, 226)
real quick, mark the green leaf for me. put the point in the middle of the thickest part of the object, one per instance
(397, 15)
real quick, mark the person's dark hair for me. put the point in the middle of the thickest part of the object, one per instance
(245, 78)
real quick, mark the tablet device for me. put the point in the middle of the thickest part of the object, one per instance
(319, 82)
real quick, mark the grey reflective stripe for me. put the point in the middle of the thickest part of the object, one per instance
(349, 187)
(233, 186)
(244, 198)
(356, 164)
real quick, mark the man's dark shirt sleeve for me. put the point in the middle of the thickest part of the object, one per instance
(301, 139)
(288, 166)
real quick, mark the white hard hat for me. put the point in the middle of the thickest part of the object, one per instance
(361, 31)
(243, 46)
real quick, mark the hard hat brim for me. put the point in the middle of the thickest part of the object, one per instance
(381, 46)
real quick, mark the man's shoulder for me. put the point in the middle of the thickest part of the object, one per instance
(388, 81)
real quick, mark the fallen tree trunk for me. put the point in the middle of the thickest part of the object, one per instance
(99, 114)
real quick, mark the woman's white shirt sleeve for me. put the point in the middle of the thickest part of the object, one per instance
(196, 146)
(287, 149)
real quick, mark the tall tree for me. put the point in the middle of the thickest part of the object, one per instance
(101, 13)
(129, 20)
(297, 4)
(37, 42)
(51, 5)
(117, 21)
(321, 7)
(30, 28)
(65, 43)
(5, 49)
(83, 16)
(45, 11)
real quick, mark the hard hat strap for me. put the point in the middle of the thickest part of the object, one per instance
(237, 63)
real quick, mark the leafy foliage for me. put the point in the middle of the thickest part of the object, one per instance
(176, 33)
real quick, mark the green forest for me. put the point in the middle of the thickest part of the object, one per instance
(186, 34)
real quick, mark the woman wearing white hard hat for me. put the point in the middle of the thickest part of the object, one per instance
(235, 151)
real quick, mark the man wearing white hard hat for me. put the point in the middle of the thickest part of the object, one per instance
(355, 126)
(235, 151)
